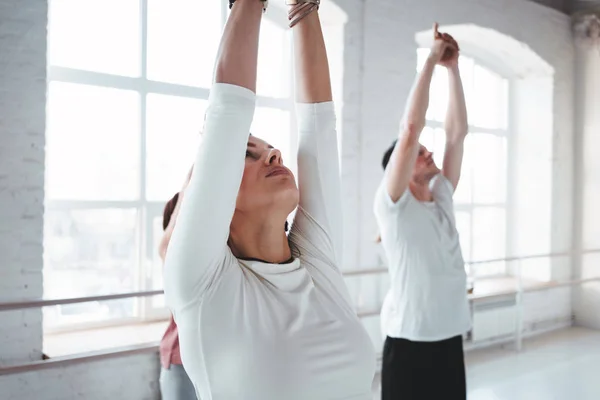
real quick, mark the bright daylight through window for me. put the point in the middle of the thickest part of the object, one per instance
(482, 192)
(126, 105)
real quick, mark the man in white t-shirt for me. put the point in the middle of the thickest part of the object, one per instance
(426, 310)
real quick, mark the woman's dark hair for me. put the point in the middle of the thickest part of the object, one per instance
(388, 154)
(168, 211)
(170, 207)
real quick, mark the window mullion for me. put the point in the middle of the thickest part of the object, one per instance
(143, 38)
(90, 204)
(143, 278)
(224, 9)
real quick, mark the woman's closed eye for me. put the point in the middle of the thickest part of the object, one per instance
(251, 155)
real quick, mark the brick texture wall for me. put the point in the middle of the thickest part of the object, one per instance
(132, 377)
(22, 125)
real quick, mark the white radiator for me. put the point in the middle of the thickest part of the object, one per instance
(494, 319)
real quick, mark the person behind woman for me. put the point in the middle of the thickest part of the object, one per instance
(174, 381)
(264, 316)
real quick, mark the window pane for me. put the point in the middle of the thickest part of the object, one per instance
(438, 98)
(94, 35)
(173, 126)
(463, 194)
(496, 268)
(487, 160)
(422, 54)
(490, 97)
(439, 147)
(537, 268)
(273, 61)
(157, 263)
(273, 126)
(427, 138)
(87, 253)
(92, 148)
(183, 38)
(489, 233)
(463, 226)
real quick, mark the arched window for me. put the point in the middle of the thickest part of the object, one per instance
(128, 87)
(481, 197)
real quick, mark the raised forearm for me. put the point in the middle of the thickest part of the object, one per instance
(238, 52)
(416, 107)
(313, 82)
(456, 124)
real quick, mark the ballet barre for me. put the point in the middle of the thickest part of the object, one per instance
(38, 303)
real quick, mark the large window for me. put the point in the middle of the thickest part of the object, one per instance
(481, 196)
(129, 83)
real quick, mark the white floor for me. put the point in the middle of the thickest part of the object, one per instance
(564, 365)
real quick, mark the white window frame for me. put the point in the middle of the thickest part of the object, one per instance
(471, 206)
(147, 210)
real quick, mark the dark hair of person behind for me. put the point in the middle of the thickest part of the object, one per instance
(387, 155)
(168, 211)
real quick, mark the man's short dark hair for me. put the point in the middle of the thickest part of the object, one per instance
(387, 155)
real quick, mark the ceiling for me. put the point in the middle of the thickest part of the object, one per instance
(570, 6)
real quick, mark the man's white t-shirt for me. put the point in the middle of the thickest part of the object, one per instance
(427, 300)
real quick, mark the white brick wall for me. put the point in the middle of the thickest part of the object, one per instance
(351, 117)
(586, 299)
(22, 124)
(132, 377)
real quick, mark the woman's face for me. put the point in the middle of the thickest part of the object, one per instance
(266, 184)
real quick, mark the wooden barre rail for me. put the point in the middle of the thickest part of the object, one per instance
(80, 358)
(382, 270)
(38, 303)
(153, 347)
(547, 286)
(21, 305)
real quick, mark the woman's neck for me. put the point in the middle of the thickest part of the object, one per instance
(259, 239)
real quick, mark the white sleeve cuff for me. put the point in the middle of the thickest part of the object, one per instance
(221, 91)
(311, 114)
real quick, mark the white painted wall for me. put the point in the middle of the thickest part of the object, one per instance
(587, 298)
